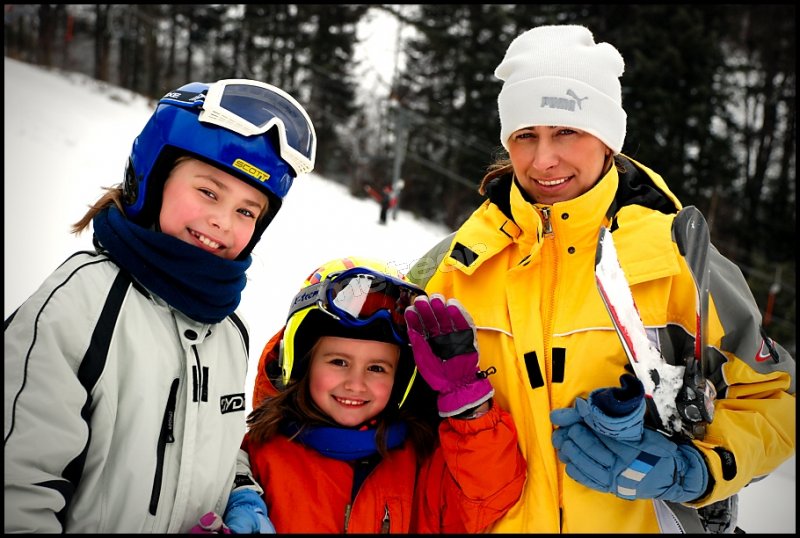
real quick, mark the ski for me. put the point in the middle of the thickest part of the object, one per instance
(696, 399)
(662, 381)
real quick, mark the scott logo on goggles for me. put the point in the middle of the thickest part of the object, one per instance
(251, 170)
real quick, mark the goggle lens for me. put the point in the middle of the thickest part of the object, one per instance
(364, 297)
(261, 107)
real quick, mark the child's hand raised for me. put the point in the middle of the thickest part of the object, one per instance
(442, 336)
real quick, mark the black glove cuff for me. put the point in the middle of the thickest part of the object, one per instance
(242, 480)
(620, 401)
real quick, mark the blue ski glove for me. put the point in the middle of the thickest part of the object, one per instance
(616, 412)
(653, 467)
(246, 513)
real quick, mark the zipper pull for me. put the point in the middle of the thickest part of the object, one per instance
(386, 521)
(169, 414)
(548, 226)
(170, 426)
(347, 510)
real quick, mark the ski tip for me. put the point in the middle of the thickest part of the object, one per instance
(601, 240)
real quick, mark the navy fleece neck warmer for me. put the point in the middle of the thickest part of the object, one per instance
(203, 286)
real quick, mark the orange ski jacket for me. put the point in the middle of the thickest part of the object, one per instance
(474, 476)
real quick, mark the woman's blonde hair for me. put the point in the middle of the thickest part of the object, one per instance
(498, 168)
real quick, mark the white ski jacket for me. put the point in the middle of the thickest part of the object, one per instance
(121, 414)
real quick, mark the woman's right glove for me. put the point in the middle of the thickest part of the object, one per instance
(445, 349)
(648, 467)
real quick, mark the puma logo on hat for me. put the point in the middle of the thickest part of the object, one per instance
(562, 103)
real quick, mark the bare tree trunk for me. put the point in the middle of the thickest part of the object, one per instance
(173, 38)
(189, 45)
(46, 33)
(102, 42)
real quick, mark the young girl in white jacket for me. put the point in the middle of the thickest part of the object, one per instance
(125, 371)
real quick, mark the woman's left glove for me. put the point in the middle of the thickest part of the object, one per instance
(246, 513)
(652, 467)
(445, 349)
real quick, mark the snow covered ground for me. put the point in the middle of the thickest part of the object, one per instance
(66, 136)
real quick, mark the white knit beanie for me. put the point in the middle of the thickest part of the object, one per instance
(557, 75)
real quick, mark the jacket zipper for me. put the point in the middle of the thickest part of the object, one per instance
(166, 436)
(361, 470)
(347, 510)
(199, 379)
(548, 226)
(385, 522)
(548, 232)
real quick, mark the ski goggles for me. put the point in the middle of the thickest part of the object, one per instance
(355, 298)
(359, 296)
(251, 108)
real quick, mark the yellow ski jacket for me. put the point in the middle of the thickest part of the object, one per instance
(525, 272)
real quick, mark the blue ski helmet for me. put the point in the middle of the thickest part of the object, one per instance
(251, 130)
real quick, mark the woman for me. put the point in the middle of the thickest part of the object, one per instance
(523, 265)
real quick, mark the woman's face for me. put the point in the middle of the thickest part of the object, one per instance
(351, 380)
(210, 209)
(554, 164)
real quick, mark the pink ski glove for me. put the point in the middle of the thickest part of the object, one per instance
(210, 523)
(445, 349)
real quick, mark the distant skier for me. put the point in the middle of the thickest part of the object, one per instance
(386, 198)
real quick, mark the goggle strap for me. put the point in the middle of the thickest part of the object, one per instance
(184, 98)
(287, 357)
(408, 387)
(308, 297)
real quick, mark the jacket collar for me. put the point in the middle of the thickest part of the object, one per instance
(509, 216)
(585, 212)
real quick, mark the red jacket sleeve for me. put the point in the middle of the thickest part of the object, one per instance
(263, 386)
(475, 476)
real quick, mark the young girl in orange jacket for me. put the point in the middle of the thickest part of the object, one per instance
(342, 437)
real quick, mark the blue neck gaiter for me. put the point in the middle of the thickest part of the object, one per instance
(345, 444)
(203, 286)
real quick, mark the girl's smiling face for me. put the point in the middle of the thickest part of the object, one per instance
(351, 380)
(209, 208)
